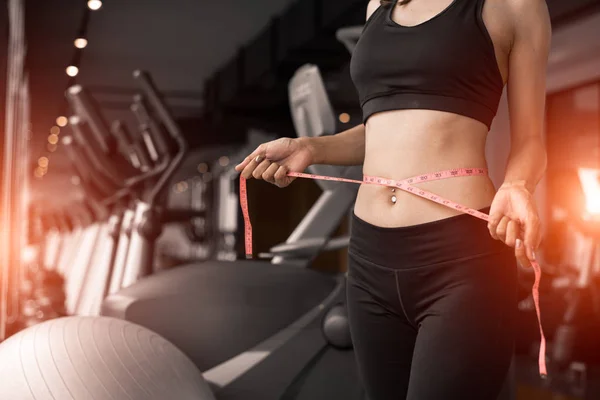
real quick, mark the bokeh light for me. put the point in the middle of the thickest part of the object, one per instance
(80, 43)
(43, 162)
(202, 168)
(224, 161)
(72, 70)
(94, 4)
(181, 187)
(62, 121)
(344, 118)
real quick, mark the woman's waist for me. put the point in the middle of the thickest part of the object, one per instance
(431, 243)
(393, 207)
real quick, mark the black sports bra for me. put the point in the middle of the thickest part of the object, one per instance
(446, 63)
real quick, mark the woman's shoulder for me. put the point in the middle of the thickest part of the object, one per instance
(372, 7)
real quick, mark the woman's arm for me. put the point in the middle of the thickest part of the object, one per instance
(344, 148)
(347, 147)
(526, 91)
(513, 216)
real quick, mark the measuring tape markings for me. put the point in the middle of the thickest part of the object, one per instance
(406, 185)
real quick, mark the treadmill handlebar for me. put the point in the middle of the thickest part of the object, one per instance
(307, 247)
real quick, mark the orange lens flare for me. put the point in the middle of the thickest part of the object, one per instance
(590, 183)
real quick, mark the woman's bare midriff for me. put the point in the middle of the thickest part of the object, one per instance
(405, 143)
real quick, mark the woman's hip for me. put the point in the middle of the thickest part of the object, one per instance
(446, 240)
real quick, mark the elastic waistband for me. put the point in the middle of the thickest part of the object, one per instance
(448, 239)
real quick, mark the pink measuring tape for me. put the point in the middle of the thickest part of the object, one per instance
(406, 185)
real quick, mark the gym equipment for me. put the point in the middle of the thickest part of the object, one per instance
(279, 305)
(114, 258)
(99, 358)
(349, 36)
(87, 262)
(336, 328)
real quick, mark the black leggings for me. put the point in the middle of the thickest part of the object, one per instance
(432, 309)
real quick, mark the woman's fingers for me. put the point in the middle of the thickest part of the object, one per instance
(269, 174)
(521, 254)
(512, 233)
(252, 158)
(509, 231)
(531, 234)
(260, 169)
(249, 166)
(493, 222)
(501, 229)
(281, 178)
(248, 171)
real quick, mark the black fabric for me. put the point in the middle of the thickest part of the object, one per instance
(432, 309)
(446, 63)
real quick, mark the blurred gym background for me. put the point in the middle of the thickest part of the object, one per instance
(121, 125)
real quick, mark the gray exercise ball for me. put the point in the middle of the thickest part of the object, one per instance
(336, 328)
(83, 358)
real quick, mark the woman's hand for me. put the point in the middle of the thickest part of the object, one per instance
(271, 161)
(514, 220)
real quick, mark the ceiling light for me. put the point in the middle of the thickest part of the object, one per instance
(51, 147)
(55, 130)
(62, 121)
(72, 70)
(39, 172)
(80, 43)
(43, 162)
(53, 139)
(94, 4)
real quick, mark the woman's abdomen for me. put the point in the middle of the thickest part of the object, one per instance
(406, 143)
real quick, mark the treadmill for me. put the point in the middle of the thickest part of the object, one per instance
(254, 327)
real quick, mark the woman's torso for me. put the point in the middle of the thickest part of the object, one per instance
(406, 143)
